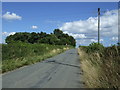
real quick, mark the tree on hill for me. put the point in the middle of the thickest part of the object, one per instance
(55, 38)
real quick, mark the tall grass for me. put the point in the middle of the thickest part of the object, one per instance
(16, 55)
(101, 66)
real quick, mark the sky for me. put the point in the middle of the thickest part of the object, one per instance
(78, 19)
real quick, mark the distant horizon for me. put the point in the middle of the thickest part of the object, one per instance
(76, 46)
(78, 19)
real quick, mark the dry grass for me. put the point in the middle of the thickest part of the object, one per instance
(90, 71)
(101, 70)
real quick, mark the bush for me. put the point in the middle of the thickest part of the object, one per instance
(95, 47)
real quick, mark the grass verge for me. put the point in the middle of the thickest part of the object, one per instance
(101, 68)
(17, 55)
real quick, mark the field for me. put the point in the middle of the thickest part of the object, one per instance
(100, 65)
(16, 55)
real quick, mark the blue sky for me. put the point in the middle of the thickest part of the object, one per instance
(47, 16)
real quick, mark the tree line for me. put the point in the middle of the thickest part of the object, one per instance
(55, 38)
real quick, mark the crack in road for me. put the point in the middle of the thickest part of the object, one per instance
(56, 62)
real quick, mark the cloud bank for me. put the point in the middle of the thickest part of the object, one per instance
(8, 33)
(85, 31)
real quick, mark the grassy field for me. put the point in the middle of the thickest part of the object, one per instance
(16, 55)
(100, 65)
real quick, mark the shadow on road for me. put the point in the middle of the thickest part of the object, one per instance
(53, 61)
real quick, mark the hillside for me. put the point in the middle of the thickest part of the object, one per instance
(100, 65)
(55, 38)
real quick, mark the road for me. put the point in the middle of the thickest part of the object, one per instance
(61, 71)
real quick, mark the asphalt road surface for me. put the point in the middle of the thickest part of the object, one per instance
(61, 71)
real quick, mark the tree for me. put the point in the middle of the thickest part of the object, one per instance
(9, 39)
(55, 38)
(33, 38)
(58, 33)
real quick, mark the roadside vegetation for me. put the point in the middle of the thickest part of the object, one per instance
(24, 48)
(19, 54)
(100, 65)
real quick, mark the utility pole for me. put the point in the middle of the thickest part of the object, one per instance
(119, 23)
(98, 25)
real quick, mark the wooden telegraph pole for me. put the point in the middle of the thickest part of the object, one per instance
(98, 25)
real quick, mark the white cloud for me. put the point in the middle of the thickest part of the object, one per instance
(101, 40)
(34, 27)
(11, 16)
(94, 40)
(4, 33)
(8, 33)
(82, 42)
(114, 39)
(12, 33)
(89, 27)
(76, 36)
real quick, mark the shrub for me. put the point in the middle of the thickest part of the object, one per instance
(95, 47)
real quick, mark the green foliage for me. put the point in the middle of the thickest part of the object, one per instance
(58, 33)
(55, 38)
(118, 43)
(18, 54)
(19, 49)
(93, 47)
